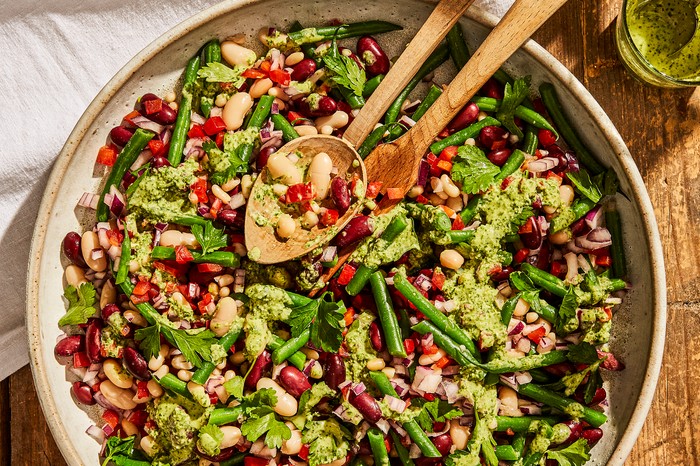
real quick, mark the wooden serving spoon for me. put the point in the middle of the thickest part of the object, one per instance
(260, 237)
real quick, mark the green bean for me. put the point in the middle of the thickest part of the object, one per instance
(551, 102)
(225, 258)
(212, 51)
(580, 208)
(227, 341)
(123, 271)
(526, 363)
(440, 320)
(121, 460)
(502, 77)
(182, 123)
(433, 93)
(546, 311)
(520, 424)
(308, 49)
(444, 342)
(417, 434)
(518, 443)
(257, 119)
(397, 225)
(126, 158)
(539, 376)
(508, 308)
(190, 220)
(376, 443)
(458, 138)
(221, 416)
(612, 221)
(281, 123)
(297, 359)
(512, 164)
(436, 59)
(175, 385)
(404, 323)
(235, 460)
(459, 236)
(401, 451)
(533, 459)
(371, 141)
(371, 85)
(353, 100)
(544, 279)
(537, 393)
(312, 35)
(506, 453)
(488, 104)
(458, 48)
(298, 300)
(387, 316)
(531, 140)
(290, 347)
(470, 209)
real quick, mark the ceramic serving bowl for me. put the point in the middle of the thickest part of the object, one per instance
(639, 327)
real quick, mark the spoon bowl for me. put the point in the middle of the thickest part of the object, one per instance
(260, 238)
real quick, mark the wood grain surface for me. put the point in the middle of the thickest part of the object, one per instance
(662, 130)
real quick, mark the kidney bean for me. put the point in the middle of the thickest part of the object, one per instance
(592, 435)
(530, 234)
(108, 310)
(340, 193)
(82, 393)
(357, 228)
(120, 135)
(71, 248)
(465, 117)
(93, 340)
(262, 364)
(502, 275)
(325, 106)
(370, 52)
(425, 461)
(136, 364)
(367, 406)
(303, 70)
(159, 162)
(499, 157)
(576, 429)
(492, 89)
(598, 397)
(223, 455)
(294, 381)
(165, 116)
(334, 372)
(231, 217)
(69, 346)
(443, 443)
(376, 337)
(546, 137)
(264, 154)
(492, 136)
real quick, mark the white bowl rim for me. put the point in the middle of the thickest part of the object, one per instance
(639, 195)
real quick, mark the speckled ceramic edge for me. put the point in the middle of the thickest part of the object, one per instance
(638, 195)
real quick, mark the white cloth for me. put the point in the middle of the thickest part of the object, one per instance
(56, 56)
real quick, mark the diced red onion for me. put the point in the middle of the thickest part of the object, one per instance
(237, 200)
(427, 340)
(193, 147)
(400, 386)
(451, 389)
(275, 108)
(395, 404)
(397, 427)
(89, 200)
(523, 345)
(450, 370)
(383, 425)
(406, 120)
(114, 252)
(449, 305)
(411, 107)
(277, 368)
(143, 122)
(102, 401)
(509, 380)
(212, 383)
(595, 239)
(531, 409)
(542, 165)
(423, 173)
(141, 160)
(546, 344)
(571, 266)
(344, 384)
(97, 253)
(426, 380)
(79, 371)
(414, 451)
(523, 377)
(583, 263)
(529, 328)
(198, 119)
(358, 388)
(96, 433)
(166, 135)
(276, 60)
(102, 238)
(517, 327)
(329, 254)
(341, 412)
(389, 280)
(594, 218)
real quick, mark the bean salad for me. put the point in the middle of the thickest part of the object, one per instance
(469, 325)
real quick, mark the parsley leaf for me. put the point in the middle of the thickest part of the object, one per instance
(194, 344)
(345, 72)
(434, 411)
(323, 317)
(149, 338)
(522, 282)
(118, 446)
(210, 437)
(209, 238)
(80, 304)
(575, 454)
(234, 387)
(473, 170)
(567, 321)
(513, 96)
(571, 382)
(583, 353)
(583, 184)
(220, 73)
(263, 422)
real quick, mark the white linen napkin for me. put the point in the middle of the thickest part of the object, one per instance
(56, 57)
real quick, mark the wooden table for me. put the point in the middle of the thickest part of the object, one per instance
(662, 130)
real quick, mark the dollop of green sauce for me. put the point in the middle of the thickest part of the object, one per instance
(327, 440)
(267, 305)
(374, 251)
(359, 348)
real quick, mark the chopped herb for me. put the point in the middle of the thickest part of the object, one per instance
(583, 353)
(345, 72)
(567, 321)
(209, 238)
(584, 184)
(117, 446)
(81, 304)
(575, 454)
(473, 170)
(220, 73)
(323, 315)
(513, 96)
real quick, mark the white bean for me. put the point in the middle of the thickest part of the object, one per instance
(108, 294)
(232, 435)
(88, 243)
(225, 279)
(435, 199)
(309, 220)
(278, 93)
(294, 58)
(376, 364)
(154, 389)
(260, 87)
(306, 130)
(246, 185)
(320, 174)
(560, 237)
(566, 194)
(226, 313)
(335, 121)
(459, 434)
(521, 308)
(235, 54)
(286, 403)
(119, 397)
(286, 226)
(280, 167)
(449, 187)
(117, 374)
(75, 276)
(235, 110)
(135, 318)
(451, 259)
(179, 362)
(220, 194)
(171, 238)
(162, 372)
(184, 375)
(455, 203)
(279, 189)
(148, 445)
(293, 445)
(129, 427)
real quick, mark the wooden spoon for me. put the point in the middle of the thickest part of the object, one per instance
(260, 237)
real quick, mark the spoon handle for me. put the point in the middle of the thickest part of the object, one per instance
(441, 20)
(519, 23)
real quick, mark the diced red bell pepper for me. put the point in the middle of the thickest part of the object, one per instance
(131, 115)
(171, 267)
(373, 189)
(266, 65)
(458, 223)
(431, 158)
(442, 362)
(142, 389)
(214, 125)
(556, 269)
(111, 418)
(521, 255)
(299, 193)
(107, 155)
(304, 452)
(139, 417)
(115, 238)
(444, 133)
(293, 117)
(152, 106)
(603, 261)
(409, 345)
(429, 396)
(538, 334)
(448, 153)
(546, 137)
(329, 217)
(281, 77)
(182, 254)
(209, 268)
(394, 193)
(199, 188)
(438, 280)
(255, 461)
(141, 288)
(346, 274)
(444, 165)
(80, 359)
(204, 302)
(220, 140)
(157, 147)
(254, 73)
(422, 199)
(197, 131)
